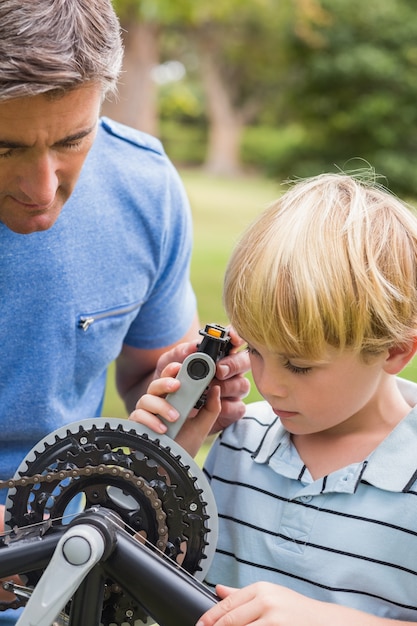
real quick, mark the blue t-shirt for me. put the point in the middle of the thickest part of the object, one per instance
(113, 269)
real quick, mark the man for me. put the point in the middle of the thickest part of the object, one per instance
(95, 231)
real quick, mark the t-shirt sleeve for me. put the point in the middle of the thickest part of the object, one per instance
(171, 304)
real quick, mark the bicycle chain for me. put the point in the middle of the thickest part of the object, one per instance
(90, 470)
(127, 475)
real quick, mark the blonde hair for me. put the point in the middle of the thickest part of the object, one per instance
(332, 262)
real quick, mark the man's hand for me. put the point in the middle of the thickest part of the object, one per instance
(234, 386)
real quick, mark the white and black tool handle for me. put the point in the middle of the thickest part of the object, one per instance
(196, 373)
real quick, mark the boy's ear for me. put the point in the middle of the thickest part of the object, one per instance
(400, 356)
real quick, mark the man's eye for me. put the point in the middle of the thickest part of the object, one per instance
(74, 145)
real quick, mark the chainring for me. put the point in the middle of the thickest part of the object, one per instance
(149, 481)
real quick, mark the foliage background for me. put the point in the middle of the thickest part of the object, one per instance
(283, 87)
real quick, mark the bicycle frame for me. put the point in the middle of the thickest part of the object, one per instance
(167, 593)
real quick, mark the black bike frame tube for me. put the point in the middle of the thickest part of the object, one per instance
(87, 602)
(28, 555)
(167, 593)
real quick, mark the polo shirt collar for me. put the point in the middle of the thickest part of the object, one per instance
(392, 465)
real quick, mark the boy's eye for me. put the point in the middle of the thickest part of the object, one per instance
(295, 369)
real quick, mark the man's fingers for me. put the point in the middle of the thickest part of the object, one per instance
(233, 365)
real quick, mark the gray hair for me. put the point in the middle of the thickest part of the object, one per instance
(57, 45)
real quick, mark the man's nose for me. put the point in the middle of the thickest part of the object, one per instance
(39, 181)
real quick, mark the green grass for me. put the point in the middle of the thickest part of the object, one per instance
(221, 209)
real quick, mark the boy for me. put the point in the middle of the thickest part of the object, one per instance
(316, 486)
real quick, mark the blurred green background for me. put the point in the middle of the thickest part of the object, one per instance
(283, 87)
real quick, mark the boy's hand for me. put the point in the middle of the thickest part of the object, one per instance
(260, 603)
(268, 604)
(153, 404)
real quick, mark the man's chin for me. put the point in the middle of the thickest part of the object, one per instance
(33, 224)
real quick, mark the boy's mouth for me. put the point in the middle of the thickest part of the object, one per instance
(284, 414)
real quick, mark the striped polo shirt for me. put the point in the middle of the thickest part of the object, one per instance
(349, 538)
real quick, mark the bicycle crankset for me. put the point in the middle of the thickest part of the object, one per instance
(150, 482)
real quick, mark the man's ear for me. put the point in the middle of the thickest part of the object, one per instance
(400, 356)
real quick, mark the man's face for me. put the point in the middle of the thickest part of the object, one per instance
(43, 145)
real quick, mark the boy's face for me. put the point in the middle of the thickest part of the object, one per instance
(308, 397)
(43, 145)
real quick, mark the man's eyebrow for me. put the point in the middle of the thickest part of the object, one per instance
(5, 143)
(75, 137)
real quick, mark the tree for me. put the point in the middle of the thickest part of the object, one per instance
(142, 22)
(234, 48)
(240, 64)
(354, 86)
